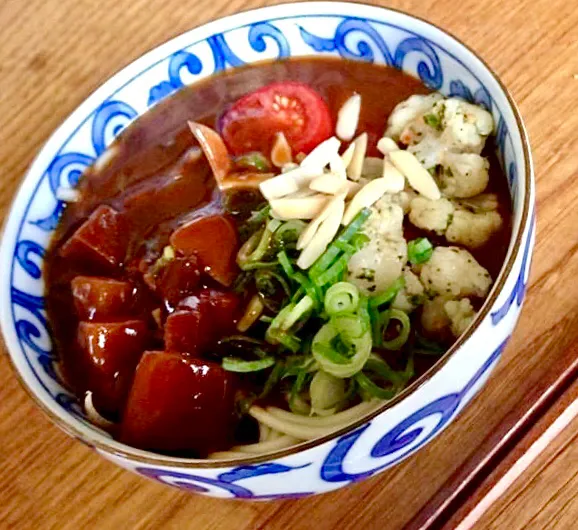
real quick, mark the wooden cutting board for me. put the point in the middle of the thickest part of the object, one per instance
(55, 52)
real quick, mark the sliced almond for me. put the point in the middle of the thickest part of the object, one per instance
(350, 188)
(281, 154)
(348, 118)
(322, 154)
(417, 176)
(327, 183)
(356, 165)
(394, 179)
(302, 208)
(337, 166)
(324, 235)
(303, 192)
(307, 234)
(287, 183)
(348, 155)
(364, 198)
(387, 145)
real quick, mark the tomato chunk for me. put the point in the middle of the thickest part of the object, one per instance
(187, 331)
(200, 321)
(179, 403)
(178, 279)
(223, 309)
(102, 238)
(213, 240)
(294, 109)
(111, 351)
(101, 298)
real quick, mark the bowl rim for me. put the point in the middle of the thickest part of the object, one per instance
(93, 438)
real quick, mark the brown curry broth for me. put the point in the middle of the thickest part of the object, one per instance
(159, 179)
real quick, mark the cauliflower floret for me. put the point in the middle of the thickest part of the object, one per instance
(485, 202)
(407, 111)
(454, 272)
(473, 229)
(377, 265)
(386, 219)
(461, 314)
(434, 216)
(429, 151)
(408, 298)
(441, 313)
(402, 199)
(434, 318)
(464, 175)
(466, 126)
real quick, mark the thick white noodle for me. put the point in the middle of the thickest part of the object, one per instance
(339, 419)
(93, 414)
(308, 428)
(264, 432)
(264, 447)
(225, 455)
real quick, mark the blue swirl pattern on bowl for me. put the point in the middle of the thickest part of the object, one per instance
(354, 38)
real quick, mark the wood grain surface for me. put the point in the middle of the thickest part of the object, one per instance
(55, 52)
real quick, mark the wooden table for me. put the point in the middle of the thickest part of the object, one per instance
(494, 458)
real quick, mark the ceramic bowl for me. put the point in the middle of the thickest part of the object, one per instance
(347, 30)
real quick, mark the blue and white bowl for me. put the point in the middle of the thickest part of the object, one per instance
(351, 31)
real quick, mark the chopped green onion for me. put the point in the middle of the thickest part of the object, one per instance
(326, 392)
(286, 264)
(272, 288)
(347, 248)
(259, 216)
(253, 160)
(328, 257)
(297, 312)
(350, 325)
(257, 246)
(425, 346)
(298, 385)
(419, 250)
(379, 323)
(366, 384)
(254, 265)
(341, 297)
(232, 364)
(389, 294)
(312, 290)
(377, 367)
(334, 273)
(287, 234)
(274, 377)
(359, 240)
(405, 327)
(275, 333)
(341, 333)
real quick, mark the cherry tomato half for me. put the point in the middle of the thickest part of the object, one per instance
(294, 109)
